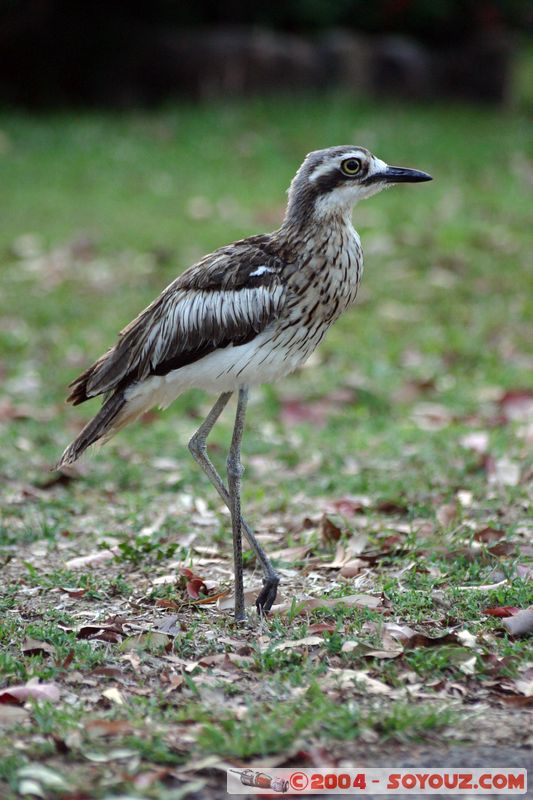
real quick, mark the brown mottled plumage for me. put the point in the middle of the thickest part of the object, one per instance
(248, 313)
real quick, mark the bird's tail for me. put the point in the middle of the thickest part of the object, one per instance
(104, 425)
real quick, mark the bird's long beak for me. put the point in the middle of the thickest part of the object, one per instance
(403, 175)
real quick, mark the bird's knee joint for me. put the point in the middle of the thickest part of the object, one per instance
(197, 446)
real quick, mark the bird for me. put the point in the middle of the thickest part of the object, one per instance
(249, 313)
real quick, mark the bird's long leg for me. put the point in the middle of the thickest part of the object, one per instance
(198, 449)
(235, 470)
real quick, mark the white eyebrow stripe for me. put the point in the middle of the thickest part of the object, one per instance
(260, 271)
(323, 169)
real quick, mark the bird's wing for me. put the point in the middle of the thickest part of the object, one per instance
(227, 298)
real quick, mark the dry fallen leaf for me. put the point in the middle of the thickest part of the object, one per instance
(227, 602)
(346, 552)
(227, 661)
(308, 641)
(291, 554)
(501, 611)
(468, 666)
(149, 641)
(322, 627)
(446, 514)
(93, 558)
(489, 535)
(328, 530)
(32, 647)
(361, 679)
(73, 591)
(108, 727)
(32, 689)
(34, 777)
(410, 638)
(210, 599)
(517, 405)
(310, 603)
(353, 568)
(109, 631)
(519, 624)
(114, 695)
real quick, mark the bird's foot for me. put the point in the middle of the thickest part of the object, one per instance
(267, 595)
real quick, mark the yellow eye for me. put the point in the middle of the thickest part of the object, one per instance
(351, 166)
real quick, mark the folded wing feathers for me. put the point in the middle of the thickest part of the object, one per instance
(180, 320)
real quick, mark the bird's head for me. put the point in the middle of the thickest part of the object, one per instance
(331, 181)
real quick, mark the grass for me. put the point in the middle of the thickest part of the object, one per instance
(99, 213)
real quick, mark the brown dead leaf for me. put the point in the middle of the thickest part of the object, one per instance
(93, 558)
(349, 678)
(501, 611)
(150, 641)
(172, 604)
(517, 405)
(349, 506)
(73, 591)
(447, 514)
(328, 530)
(227, 602)
(112, 632)
(114, 695)
(291, 554)
(410, 638)
(310, 603)
(32, 689)
(104, 728)
(489, 535)
(391, 507)
(196, 588)
(226, 661)
(502, 549)
(108, 672)
(33, 647)
(517, 701)
(144, 780)
(322, 627)
(346, 552)
(294, 644)
(212, 598)
(353, 568)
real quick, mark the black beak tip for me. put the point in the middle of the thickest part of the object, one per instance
(405, 175)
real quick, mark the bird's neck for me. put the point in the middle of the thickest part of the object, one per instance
(316, 226)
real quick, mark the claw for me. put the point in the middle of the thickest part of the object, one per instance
(267, 595)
